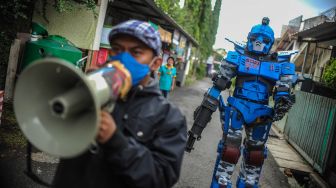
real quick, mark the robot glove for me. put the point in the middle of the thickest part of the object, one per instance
(282, 106)
(292, 98)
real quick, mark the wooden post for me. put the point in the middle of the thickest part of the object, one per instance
(305, 59)
(312, 61)
(11, 69)
(317, 62)
(88, 60)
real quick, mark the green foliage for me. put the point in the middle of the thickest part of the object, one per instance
(201, 71)
(67, 5)
(5, 42)
(10, 134)
(14, 8)
(219, 57)
(233, 85)
(205, 25)
(168, 6)
(197, 18)
(8, 115)
(329, 75)
(189, 80)
(216, 67)
(63, 6)
(14, 16)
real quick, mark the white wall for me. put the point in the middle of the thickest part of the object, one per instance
(80, 26)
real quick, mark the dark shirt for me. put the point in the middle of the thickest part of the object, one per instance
(146, 151)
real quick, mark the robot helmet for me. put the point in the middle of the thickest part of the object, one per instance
(261, 38)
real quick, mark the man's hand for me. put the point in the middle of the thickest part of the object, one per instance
(107, 127)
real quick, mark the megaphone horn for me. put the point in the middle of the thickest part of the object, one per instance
(57, 106)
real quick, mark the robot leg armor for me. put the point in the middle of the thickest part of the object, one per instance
(230, 153)
(255, 157)
(255, 153)
(228, 159)
(251, 166)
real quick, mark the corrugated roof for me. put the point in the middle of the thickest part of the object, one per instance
(320, 33)
(319, 28)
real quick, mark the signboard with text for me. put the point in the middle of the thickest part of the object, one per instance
(104, 42)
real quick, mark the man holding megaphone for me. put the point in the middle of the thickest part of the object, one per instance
(141, 144)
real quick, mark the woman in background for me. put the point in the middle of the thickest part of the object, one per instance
(167, 75)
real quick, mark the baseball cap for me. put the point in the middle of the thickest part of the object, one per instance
(140, 30)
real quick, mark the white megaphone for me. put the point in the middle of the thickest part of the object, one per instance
(58, 107)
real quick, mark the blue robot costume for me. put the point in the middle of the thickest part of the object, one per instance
(259, 75)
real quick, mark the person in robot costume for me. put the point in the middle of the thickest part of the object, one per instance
(259, 75)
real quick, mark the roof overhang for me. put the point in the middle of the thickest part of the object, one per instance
(323, 32)
(148, 11)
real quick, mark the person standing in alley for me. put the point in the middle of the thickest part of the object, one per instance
(141, 143)
(167, 75)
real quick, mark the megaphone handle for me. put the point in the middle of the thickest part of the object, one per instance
(29, 171)
(94, 147)
(109, 106)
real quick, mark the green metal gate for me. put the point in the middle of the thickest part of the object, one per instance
(310, 127)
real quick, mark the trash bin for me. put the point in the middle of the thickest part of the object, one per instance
(41, 46)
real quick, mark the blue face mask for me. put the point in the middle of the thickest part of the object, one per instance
(137, 70)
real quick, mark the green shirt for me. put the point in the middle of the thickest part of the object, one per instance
(166, 77)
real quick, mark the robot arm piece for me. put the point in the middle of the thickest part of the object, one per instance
(284, 98)
(238, 46)
(211, 100)
(228, 70)
(286, 55)
(202, 116)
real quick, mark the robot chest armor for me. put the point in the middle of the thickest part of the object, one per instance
(250, 66)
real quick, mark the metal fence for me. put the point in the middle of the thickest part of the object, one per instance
(310, 128)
